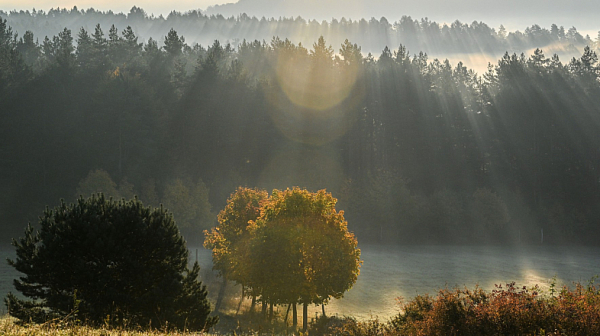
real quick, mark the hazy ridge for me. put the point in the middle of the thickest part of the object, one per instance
(475, 43)
(511, 13)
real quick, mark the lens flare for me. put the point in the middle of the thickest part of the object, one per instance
(314, 103)
(318, 88)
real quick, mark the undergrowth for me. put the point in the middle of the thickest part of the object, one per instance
(507, 310)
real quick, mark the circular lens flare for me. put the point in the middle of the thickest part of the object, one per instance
(315, 86)
(314, 102)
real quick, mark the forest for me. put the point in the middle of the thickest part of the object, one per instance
(373, 35)
(416, 150)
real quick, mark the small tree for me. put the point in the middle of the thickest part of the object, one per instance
(189, 203)
(301, 250)
(97, 181)
(103, 261)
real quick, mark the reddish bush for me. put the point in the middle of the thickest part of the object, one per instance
(507, 310)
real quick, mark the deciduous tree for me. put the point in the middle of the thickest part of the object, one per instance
(304, 243)
(229, 240)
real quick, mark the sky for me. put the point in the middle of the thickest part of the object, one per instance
(150, 6)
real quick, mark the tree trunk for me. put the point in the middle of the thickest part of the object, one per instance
(287, 312)
(241, 300)
(264, 309)
(323, 309)
(221, 295)
(270, 311)
(294, 315)
(253, 304)
(304, 317)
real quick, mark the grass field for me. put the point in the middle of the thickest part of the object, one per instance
(8, 327)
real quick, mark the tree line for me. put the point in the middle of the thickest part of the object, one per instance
(371, 34)
(416, 150)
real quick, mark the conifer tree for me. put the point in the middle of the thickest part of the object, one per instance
(102, 261)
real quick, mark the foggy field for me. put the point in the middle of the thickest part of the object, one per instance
(389, 272)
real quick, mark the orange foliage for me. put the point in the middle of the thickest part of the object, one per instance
(302, 233)
(228, 241)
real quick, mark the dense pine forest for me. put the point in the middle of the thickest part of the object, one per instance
(417, 150)
(373, 35)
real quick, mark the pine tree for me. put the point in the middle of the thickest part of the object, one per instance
(102, 261)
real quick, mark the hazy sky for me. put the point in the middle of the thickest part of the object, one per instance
(150, 6)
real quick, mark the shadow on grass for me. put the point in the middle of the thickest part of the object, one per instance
(255, 323)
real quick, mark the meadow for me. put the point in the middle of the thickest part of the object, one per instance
(9, 327)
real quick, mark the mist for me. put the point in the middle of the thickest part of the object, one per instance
(460, 139)
(513, 14)
(474, 43)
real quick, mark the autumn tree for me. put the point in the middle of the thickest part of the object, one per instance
(304, 243)
(229, 240)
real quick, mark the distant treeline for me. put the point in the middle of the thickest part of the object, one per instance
(371, 34)
(417, 150)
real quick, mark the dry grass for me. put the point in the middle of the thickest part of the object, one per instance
(9, 327)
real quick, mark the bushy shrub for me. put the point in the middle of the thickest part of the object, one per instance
(507, 310)
(349, 326)
(106, 262)
(328, 325)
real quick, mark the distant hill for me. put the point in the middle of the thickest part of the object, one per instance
(475, 43)
(512, 14)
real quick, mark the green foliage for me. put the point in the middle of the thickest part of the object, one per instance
(383, 199)
(173, 43)
(104, 262)
(98, 181)
(148, 193)
(189, 203)
(13, 68)
(279, 113)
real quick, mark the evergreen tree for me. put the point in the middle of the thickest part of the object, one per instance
(173, 43)
(101, 261)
